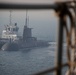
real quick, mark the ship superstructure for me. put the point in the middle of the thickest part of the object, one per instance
(10, 32)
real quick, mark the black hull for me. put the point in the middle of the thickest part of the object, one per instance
(1, 44)
(18, 45)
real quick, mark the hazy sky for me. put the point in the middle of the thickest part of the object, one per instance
(31, 1)
(43, 22)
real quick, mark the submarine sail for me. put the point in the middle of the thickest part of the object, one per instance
(27, 33)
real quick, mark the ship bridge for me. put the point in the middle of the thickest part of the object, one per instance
(10, 32)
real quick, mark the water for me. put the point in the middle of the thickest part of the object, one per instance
(27, 62)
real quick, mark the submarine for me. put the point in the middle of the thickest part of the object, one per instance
(11, 41)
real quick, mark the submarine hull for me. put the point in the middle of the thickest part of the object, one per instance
(10, 47)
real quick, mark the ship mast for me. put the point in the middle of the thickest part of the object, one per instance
(26, 19)
(10, 18)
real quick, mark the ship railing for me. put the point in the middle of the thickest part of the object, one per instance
(63, 10)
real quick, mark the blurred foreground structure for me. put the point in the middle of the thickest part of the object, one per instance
(62, 9)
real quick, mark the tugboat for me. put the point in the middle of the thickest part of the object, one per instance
(10, 40)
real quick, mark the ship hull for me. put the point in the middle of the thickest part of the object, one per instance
(19, 45)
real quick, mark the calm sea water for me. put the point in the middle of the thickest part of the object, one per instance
(27, 62)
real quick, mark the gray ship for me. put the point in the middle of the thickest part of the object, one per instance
(11, 41)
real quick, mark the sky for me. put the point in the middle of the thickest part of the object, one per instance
(27, 1)
(43, 22)
(32, 1)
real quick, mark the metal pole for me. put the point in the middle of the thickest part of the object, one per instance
(75, 21)
(29, 6)
(59, 49)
